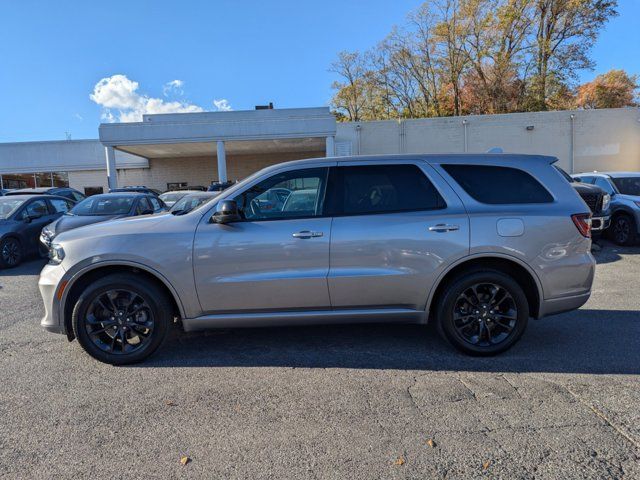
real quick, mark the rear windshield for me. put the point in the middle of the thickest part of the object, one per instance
(9, 205)
(498, 185)
(109, 204)
(628, 185)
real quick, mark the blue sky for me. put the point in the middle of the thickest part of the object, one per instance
(52, 54)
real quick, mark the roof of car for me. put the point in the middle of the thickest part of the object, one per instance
(28, 196)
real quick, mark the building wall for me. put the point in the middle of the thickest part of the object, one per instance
(193, 170)
(607, 139)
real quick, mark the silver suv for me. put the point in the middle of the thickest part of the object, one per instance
(477, 244)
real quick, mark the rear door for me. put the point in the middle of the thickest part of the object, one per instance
(395, 228)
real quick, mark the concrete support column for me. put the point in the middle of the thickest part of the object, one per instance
(331, 146)
(222, 162)
(112, 173)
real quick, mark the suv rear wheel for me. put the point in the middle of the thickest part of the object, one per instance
(482, 312)
(121, 319)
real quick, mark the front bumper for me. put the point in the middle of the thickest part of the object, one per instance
(49, 283)
(600, 223)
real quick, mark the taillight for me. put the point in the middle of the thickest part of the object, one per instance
(583, 223)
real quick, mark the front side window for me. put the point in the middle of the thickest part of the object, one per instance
(604, 184)
(371, 189)
(293, 194)
(628, 185)
(498, 185)
(155, 203)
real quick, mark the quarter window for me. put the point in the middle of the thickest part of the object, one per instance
(60, 206)
(37, 208)
(498, 185)
(371, 189)
(293, 194)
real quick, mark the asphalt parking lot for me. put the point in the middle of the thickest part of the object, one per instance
(329, 402)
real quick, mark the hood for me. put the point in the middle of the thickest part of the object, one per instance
(586, 188)
(631, 198)
(127, 225)
(69, 222)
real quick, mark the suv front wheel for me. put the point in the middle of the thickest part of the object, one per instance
(483, 312)
(121, 319)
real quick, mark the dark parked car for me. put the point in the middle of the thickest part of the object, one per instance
(136, 189)
(22, 218)
(100, 208)
(191, 202)
(624, 189)
(596, 199)
(67, 192)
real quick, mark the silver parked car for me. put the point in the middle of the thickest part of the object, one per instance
(477, 244)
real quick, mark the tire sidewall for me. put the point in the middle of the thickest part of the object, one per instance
(448, 300)
(632, 226)
(152, 295)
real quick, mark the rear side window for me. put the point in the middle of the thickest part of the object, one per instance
(371, 189)
(498, 185)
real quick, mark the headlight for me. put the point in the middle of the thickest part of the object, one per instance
(606, 200)
(56, 254)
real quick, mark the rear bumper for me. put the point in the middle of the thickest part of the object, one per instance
(563, 304)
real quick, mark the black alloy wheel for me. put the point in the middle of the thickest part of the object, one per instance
(10, 253)
(122, 318)
(623, 230)
(482, 312)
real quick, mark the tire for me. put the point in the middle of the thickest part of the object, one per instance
(102, 319)
(624, 230)
(11, 253)
(496, 327)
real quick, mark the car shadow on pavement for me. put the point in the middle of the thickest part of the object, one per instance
(608, 252)
(583, 341)
(32, 266)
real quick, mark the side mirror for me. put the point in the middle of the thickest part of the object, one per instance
(148, 211)
(226, 212)
(577, 179)
(30, 218)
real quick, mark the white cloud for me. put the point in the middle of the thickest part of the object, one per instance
(119, 94)
(222, 105)
(174, 87)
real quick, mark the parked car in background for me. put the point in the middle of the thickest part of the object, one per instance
(169, 198)
(22, 217)
(3, 192)
(100, 208)
(219, 186)
(67, 192)
(624, 188)
(596, 199)
(191, 201)
(137, 189)
(477, 244)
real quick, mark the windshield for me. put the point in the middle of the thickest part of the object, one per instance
(108, 204)
(188, 203)
(628, 185)
(8, 205)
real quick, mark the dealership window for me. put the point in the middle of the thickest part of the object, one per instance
(35, 179)
(88, 191)
(176, 186)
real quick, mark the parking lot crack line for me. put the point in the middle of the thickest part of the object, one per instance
(468, 387)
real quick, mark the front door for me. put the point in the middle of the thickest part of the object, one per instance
(36, 215)
(277, 257)
(396, 227)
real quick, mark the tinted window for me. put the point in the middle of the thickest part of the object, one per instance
(294, 194)
(498, 185)
(60, 206)
(371, 189)
(604, 184)
(143, 205)
(628, 185)
(78, 197)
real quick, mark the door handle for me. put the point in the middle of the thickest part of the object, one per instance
(307, 234)
(441, 227)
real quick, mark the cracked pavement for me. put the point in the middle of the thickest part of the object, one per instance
(330, 402)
